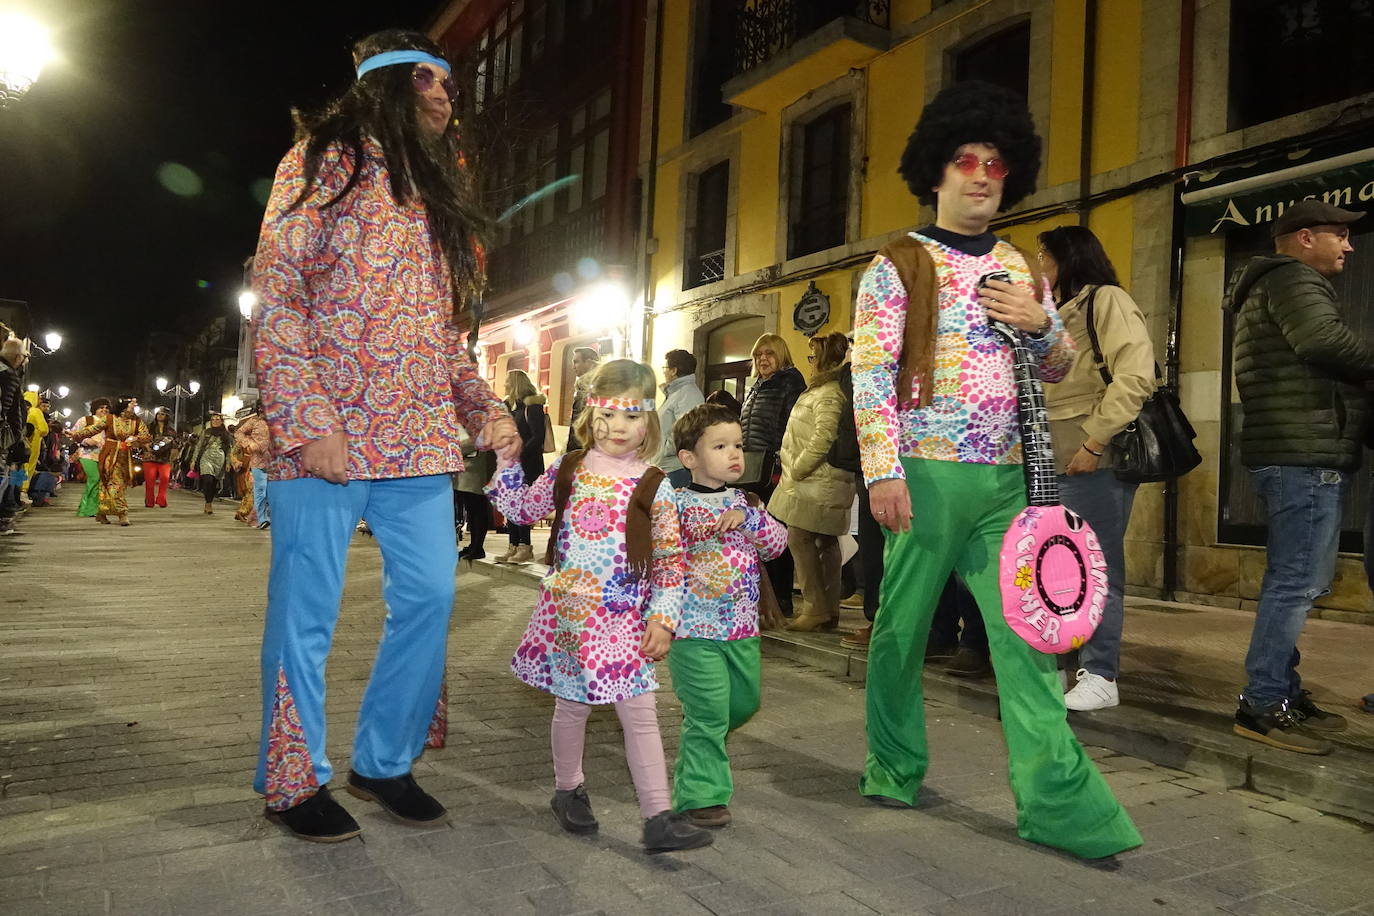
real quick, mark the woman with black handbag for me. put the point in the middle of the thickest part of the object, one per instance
(1093, 403)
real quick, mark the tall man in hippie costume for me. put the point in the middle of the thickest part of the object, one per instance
(368, 254)
(936, 411)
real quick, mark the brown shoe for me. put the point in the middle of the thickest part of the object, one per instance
(712, 817)
(858, 639)
(809, 624)
(124, 521)
(209, 509)
(505, 558)
(102, 519)
(521, 555)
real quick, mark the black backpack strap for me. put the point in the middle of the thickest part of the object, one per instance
(1092, 337)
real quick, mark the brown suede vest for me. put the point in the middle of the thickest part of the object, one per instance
(639, 523)
(917, 272)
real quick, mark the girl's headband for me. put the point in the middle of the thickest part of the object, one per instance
(633, 405)
(391, 58)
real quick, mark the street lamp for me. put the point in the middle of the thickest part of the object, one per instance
(53, 340)
(248, 300)
(47, 393)
(178, 393)
(24, 49)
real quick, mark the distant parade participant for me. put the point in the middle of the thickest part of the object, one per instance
(86, 450)
(935, 405)
(157, 468)
(368, 254)
(124, 433)
(254, 439)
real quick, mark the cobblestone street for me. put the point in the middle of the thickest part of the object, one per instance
(128, 730)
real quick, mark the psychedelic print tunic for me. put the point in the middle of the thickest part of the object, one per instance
(722, 593)
(355, 331)
(583, 640)
(972, 416)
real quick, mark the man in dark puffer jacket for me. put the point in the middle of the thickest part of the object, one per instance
(1300, 370)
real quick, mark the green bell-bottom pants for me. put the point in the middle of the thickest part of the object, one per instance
(717, 681)
(960, 514)
(90, 495)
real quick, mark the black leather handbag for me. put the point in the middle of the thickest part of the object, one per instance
(1159, 444)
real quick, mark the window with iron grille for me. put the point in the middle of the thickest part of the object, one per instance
(1291, 55)
(1002, 59)
(819, 201)
(706, 262)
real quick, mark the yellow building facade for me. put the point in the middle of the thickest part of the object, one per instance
(1136, 101)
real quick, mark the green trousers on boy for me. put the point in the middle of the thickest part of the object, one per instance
(960, 514)
(717, 681)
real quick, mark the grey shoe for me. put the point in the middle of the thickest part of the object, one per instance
(668, 831)
(573, 809)
(968, 663)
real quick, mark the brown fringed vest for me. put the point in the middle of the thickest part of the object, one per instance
(639, 534)
(917, 272)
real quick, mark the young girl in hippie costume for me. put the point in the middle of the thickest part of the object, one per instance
(612, 598)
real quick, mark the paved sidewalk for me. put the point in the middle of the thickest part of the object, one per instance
(128, 721)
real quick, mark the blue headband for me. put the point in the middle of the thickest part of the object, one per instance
(390, 58)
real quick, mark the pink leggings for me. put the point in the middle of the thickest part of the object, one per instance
(643, 748)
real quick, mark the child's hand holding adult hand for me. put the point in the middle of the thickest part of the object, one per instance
(730, 520)
(657, 640)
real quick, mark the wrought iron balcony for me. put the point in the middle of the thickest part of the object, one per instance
(705, 268)
(765, 28)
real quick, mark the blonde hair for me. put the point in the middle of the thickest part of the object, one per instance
(621, 378)
(519, 386)
(779, 348)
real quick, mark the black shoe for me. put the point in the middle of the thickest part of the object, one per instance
(668, 831)
(319, 819)
(573, 809)
(968, 663)
(934, 651)
(1277, 727)
(1312, 717)
(472, 553)
(400, 797)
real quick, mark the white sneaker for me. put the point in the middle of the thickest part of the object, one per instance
(1093, 691)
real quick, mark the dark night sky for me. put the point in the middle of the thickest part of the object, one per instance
(101, 250)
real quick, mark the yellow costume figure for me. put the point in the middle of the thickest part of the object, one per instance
(40, 429)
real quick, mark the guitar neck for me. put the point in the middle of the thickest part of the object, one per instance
(1042, 487)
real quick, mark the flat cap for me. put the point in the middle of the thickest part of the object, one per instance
(1308, 213)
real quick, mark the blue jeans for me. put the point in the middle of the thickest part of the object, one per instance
(1105, 503)
(412, 519)
(261, 505)
(1303, 509)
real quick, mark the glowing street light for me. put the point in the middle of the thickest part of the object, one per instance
(53, 341)
(24, 49)
(177, 392)
(523, 334)
(63, 391)
(66, 411)
(248, 300)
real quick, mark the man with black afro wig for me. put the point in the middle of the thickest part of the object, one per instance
(935, 405)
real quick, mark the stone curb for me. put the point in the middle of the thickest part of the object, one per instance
(1338, 784)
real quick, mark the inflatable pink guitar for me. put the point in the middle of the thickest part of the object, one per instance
(1053, 574)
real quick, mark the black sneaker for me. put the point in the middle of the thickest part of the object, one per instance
(968, 663)
(668, 831)
(573, 809)
(1313, 717)
(318, 819)
(1277, 727)
(400, 797)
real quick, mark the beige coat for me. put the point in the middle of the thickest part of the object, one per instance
(1082, 405)
(813, 494)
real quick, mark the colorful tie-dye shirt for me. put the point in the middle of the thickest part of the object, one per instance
(354, 331)
(583, 640)
(972, 415)
(722, 595)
